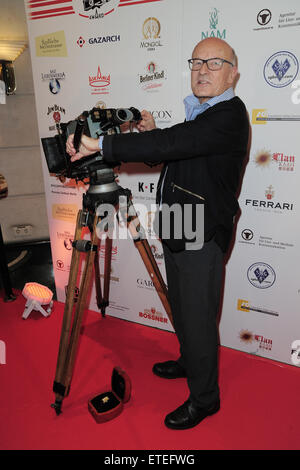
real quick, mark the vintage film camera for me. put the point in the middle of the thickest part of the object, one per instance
(92, 123)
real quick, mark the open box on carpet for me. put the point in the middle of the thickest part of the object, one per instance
(108, 405)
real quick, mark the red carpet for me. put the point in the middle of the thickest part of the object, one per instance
(260, 399)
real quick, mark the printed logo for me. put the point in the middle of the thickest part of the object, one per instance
(264, 17)
(151, 33)
(145, 190)
(277, 206)
(269, 193)
(55, 111)
(67, 238)
(80, 41)
(247, 234)
(65, 212)
(295, 352)
(99, 84)
(244, 306)
(259, 116)
(54, 86)
(153, 314)
(54, 78)
(246, 237)
(162, 116)
(214, 32)
(157, 255)
(100, 105)
(281, 69)
(255, 342)
(88, 9)
(68, 243)
(60, 264)
(261, 275)
(247, 339)
(145, 283)
(264, 241)
(95, 9)
(51, 45)
(145, 187)
(99, 40)
(266, 158)
(154, 78)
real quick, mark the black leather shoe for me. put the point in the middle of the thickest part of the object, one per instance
(169, 370)
(189, 415)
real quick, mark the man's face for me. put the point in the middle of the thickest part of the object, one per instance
(206, 83)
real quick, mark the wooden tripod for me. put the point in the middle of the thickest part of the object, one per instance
(72, 322)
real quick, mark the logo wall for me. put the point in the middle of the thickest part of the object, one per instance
(147, 29)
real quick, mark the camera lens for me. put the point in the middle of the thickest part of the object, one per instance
(123, 115)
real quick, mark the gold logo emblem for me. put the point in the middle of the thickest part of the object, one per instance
(151, 28)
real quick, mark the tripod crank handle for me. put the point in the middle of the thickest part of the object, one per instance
(79, 129)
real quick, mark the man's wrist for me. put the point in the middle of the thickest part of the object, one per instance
(100, 143)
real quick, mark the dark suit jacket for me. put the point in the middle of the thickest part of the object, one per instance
(203, 156)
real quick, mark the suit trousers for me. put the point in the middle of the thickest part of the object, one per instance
(195, 279)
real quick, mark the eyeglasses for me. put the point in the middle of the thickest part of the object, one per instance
(212, 64)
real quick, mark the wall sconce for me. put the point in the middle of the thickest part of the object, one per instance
(9, 52)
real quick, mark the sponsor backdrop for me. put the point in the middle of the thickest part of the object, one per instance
(123, 53)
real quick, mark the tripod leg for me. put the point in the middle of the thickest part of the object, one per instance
(107, 269)
(58, 389)
(103, 302)
(68, 366)
(98, 281)
(144, 249)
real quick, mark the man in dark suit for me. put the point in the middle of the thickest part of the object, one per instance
(203, 159)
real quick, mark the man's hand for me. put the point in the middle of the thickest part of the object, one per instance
(147, 122)
(88, 146)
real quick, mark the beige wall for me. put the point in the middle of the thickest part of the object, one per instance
(20, 160)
